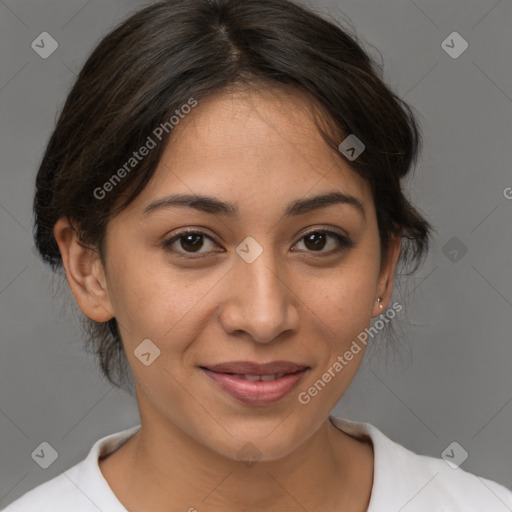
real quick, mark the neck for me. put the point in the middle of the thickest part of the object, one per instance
(164, 468)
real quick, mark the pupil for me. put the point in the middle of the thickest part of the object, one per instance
(193, 244)
(317, 241)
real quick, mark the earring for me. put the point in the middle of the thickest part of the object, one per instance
(379, 300)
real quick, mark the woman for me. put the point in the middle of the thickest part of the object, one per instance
(223, 191)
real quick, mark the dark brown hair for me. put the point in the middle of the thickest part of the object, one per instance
(173, 51)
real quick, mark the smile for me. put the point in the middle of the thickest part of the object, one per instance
(256, 389)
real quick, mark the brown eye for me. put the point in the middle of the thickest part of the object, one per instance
(192, 242)
(316, 241)
(188, 242)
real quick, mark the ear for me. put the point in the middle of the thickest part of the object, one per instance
(84, 272)
(387, 275)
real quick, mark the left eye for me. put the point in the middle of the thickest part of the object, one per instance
(192, 242)
(315, 241)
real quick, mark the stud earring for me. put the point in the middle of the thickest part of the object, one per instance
(379, 300)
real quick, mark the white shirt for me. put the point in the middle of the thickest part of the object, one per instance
(403, 481)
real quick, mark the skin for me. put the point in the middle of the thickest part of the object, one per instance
(260, 151)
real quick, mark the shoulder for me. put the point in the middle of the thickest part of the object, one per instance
(56, 495)
(433, 482)
(410, 482)
(81, 488)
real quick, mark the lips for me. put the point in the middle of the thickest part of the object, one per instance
(256, 384)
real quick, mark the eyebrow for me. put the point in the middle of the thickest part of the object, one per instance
(215, 206)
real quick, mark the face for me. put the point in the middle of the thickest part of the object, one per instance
(261, 281)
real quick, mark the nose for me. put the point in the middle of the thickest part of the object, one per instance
(261, 303)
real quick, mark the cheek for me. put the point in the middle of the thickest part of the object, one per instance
(158, 303)
(139, 295)
(345, 300)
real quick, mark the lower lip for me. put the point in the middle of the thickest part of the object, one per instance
(256, 392)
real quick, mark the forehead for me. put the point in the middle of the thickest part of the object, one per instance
(254, 147)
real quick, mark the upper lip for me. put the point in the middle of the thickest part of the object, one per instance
(251, 368)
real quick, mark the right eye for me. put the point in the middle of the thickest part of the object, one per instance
(190, 241)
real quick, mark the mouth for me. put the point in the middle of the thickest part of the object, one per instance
(272, 376)
(256, 384)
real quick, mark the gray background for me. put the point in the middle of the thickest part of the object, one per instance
(451, 380)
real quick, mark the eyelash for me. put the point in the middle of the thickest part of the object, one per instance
(343, 241)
